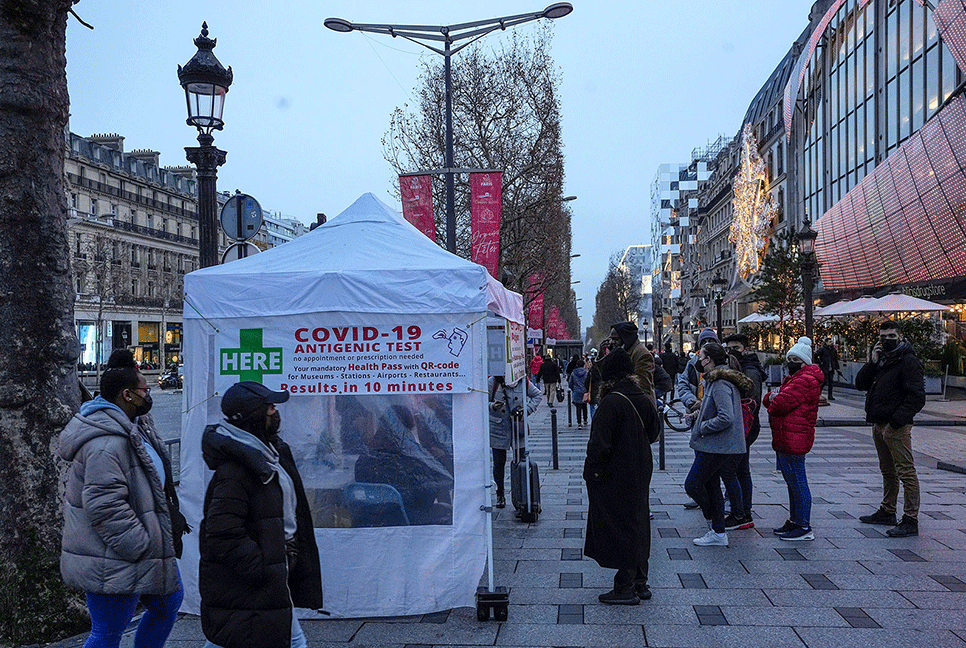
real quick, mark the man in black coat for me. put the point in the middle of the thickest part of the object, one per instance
(827, 358)
(258, 552)
(896, 392)
(618, 472)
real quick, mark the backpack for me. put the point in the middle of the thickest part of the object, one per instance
(748, 406)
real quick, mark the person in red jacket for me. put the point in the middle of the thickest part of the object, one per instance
(792, 413)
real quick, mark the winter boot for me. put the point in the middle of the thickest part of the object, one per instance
(879, 517)
(907, 527)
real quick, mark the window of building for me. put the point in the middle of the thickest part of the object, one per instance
(94, 207)
(149, 221)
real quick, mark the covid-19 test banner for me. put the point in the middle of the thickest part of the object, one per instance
(341, 353)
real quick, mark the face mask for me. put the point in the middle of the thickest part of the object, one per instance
(793, 367)
(274, 421)
(889, 344)
(145, 406)
(700, 366)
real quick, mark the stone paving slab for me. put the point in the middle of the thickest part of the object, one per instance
(765, 596)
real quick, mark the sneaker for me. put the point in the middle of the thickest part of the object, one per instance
(712, 539)
(643, 592)
(614, 597)
(652, 515)
(798, 533)
(831, 398)
(879, 517)
(500, 500)
(907, 527)
(733, 522)
(785, 528)
(690, 505)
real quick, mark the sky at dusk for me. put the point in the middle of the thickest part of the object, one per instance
(642, 83)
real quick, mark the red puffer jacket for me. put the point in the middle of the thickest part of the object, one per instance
(792, 412)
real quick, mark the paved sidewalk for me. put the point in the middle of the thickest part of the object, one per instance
(852, 586)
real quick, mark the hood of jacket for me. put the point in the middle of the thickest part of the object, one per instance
(224, 442)
(97, 418)
(738, 379)
(749, 361)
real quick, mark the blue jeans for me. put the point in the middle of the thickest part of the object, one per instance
(111, 613)
(298, 637)
(703, 485)
(799, 496)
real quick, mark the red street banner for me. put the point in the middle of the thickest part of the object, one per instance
(486, 199)
(555, 325)
(535, 307)
(417, 203)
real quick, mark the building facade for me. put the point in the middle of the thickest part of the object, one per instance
(133, 230)
(876, 114)
(637, 261)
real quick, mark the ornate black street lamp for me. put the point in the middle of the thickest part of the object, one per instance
(449, 34)
(205, 82)
(717, 289)
(806, 248)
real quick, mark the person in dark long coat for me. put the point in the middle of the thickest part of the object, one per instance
(618, 474)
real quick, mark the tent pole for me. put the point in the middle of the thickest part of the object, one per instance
(487, 454)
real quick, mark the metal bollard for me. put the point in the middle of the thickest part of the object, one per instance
(570, 411)
(553, 436)
(661, 448)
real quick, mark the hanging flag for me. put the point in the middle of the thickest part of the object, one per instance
(486, 199)
(534, 299)
(417, 203)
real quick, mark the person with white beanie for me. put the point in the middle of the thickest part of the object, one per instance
(792, 413)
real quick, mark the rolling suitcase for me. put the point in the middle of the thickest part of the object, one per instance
(526, 500)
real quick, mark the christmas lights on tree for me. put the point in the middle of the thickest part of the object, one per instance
(754, 207)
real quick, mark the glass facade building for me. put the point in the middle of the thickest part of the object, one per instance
(875, 113)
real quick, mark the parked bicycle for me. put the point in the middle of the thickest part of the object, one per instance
(675, 414)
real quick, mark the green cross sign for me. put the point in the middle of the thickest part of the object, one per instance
(250, 361)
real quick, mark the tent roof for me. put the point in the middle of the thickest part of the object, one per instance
(367, 259)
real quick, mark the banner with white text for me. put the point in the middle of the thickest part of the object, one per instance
(486, 201)
(417, 203)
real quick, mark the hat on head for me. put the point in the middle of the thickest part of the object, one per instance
(707, 334)
(616, 365)
(244, 398)
(626, 331)
(802, 350)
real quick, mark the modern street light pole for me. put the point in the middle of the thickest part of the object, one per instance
(717, 287)
(205, 82)
(449, 34)
(806, 247)
(680, 305)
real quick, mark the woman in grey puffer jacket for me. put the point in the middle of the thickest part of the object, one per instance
(118, 545)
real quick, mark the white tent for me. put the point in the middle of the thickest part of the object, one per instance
(378, 334)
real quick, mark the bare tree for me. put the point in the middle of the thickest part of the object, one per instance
(38, 352)
(506, 116)
(618, 299)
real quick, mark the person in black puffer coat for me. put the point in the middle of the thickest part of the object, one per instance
(259, 558)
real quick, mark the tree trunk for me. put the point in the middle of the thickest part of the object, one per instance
(38, 351)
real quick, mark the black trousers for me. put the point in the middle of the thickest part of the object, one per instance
(581, 412)
(628, 580)
(829, 375)
(499, 468)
